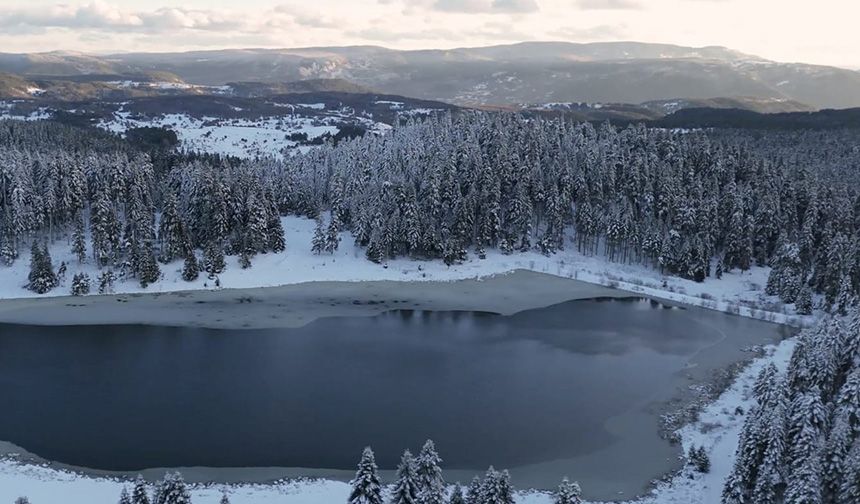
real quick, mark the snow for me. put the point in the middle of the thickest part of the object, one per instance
(737, 292)
(35, 91)
(245, 138)
(314, 106)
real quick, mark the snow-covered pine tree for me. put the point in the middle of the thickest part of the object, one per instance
(124, 497)
(190, 268)
(139, 494)
(803, 305)
(568, 493)
(173, 490)
(457, 495)
(318, 243)
(473, 492)
(406, 487)
(213, 259)
(80, 284)
(42, 277)
(431, 483)
(79, 243)
(106, 281)
(332, 235)
(366, 488)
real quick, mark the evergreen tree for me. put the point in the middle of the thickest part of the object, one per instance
(803, 305)
(79, 244)
(568, 493)
(42, 277)
(213, 259)
(106, 280)
(190, 269)
(319, 239)
(366, 487)
(473, 492)
(457, 495)
(173, 490)
(80, 284)
(406, 487)
(124, 497)
(139, 494)
(332, 237)
(431, 484)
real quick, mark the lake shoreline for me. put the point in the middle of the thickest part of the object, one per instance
(299, 304)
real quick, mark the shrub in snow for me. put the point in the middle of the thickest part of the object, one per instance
(80, 284)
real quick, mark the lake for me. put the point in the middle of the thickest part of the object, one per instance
(570, 389)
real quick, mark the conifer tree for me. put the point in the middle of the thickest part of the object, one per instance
(431, 484)
(406, 487)
(124, 497)
(80, 284)
(139, 494)
(457, 495)
(366, 488)
(568, 493)
(318, 244)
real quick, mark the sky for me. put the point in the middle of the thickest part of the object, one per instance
(820, 31)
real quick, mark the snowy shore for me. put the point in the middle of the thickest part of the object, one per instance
(741, 293)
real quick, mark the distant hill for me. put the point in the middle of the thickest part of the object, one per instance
(150, 84)
(534, 72)
(734, 118)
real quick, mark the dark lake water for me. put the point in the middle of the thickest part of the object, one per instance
(558, 390)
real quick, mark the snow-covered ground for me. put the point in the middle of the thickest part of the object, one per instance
(717, 429)
(737, 292)
(235, 137)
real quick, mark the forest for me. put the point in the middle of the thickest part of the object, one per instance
(690, 203)
(801, 441)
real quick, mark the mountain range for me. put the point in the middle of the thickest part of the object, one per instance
(523, 74)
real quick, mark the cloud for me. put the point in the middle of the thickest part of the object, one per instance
(608, 4)
(102, 16)
(486, 6)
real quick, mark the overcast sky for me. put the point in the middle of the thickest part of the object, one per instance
(820, 31)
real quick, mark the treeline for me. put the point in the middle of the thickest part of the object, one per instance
(693, 204)
(801, 442)
(419, 480)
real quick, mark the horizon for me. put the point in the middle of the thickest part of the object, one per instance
(794, 33)
(395, 49)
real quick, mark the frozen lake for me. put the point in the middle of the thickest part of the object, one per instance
(571, 389)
